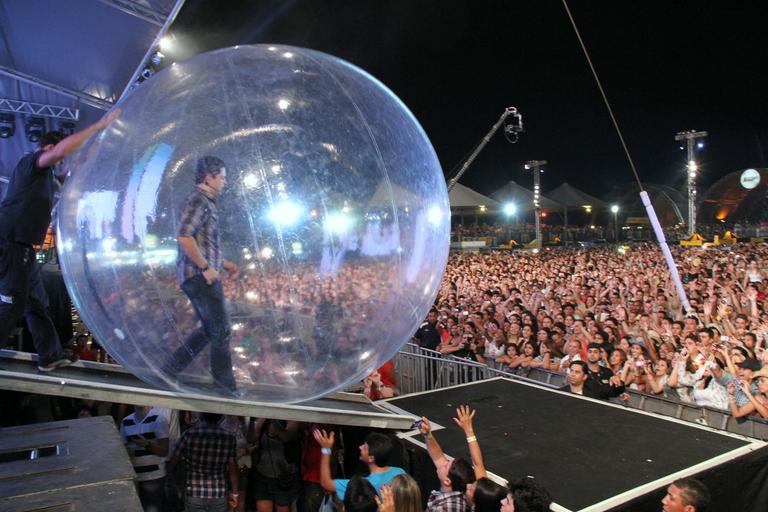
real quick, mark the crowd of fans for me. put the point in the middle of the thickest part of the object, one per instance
(618, 313)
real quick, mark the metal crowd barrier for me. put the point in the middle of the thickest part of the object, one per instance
(420, 369)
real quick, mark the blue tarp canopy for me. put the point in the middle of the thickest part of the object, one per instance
(69, 61)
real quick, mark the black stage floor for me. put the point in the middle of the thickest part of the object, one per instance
(590, 455)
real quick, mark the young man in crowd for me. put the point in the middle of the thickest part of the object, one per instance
(457, 477)
(146, 433)
(578, 377)
(374, 452)
(601, 378)
(210, 454)
(25, 214)
(686, 495)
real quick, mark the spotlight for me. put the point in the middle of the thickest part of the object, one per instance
(146, 73)
(35, 127)
(157, 58)
(67, 128)
(7, 126)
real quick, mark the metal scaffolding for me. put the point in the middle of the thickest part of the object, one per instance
(39, 109)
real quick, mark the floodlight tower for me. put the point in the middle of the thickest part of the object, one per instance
(691, 168)
(535, 167)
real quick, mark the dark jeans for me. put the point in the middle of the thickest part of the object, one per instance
(152, 494)
(211, 308)
(22, 294)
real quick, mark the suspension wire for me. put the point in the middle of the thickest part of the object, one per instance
(605, 98)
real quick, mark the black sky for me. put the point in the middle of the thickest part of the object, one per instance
(667, 66)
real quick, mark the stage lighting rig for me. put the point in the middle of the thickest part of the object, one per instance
(35, 127)
(7, 126)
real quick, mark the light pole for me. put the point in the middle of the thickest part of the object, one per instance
(691, 168)
(534, 166)
(615, 211)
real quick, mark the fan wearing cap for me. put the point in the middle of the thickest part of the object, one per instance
(738, 400)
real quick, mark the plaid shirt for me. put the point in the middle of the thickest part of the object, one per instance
(207, 451)
(200, 220)
(454, 501)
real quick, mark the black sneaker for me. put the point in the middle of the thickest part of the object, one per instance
(60, 363)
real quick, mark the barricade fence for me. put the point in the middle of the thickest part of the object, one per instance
(419, 369)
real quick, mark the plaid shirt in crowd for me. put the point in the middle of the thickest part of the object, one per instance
(454, 501)
(207, 451)
(200, 220)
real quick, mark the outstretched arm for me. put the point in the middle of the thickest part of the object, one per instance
(325, 440)
(70, 144)
(463, 419)
(433, 447)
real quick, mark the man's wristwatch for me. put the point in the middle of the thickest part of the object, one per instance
(206, 268)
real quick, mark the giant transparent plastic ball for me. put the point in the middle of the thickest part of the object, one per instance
(335, 212)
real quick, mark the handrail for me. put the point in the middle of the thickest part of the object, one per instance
(420, 369)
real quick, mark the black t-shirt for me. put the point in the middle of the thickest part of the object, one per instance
(25, 212)
(428, 336)
(587, 391)
(599, 382)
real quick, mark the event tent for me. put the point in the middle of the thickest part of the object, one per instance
(464, 197)
(571, 197)
(65, 63)
(523, 198)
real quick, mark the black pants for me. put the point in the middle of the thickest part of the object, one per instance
(22, 294)
(210, 305)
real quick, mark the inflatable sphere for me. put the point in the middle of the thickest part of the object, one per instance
(318, 185)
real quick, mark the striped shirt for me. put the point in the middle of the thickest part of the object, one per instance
(207, 451)
(147, 465)
(199, 220)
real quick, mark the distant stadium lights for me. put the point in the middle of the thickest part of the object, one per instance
(7, 126)
(700, 145)
(35, 127)
(510, 209)
(615, 208)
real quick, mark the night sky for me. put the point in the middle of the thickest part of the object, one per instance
(667, 66)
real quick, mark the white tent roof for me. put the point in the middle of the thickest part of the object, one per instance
(570, 196)
(523, 198)
(463, 197)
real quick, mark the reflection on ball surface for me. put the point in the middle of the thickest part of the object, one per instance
(333, 208)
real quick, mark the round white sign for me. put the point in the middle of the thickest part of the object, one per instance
(750, 178)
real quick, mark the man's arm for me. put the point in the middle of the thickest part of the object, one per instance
(234, 481)
(433, 447)
(70, 144)
(189, 245)
(325, 440)
(463, 419)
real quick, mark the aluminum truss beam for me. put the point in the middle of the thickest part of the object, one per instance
(39, 109)
(84, 97)
(138, 10)
(113, 383)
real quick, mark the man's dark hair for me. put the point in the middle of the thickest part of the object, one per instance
(580, 363)
(708, 330)
(596, 346)
(529, 496)
(51, 137)
(208, 166)
(211, 418)
(488, 495)
(360, 496)
(461, 474)
(379, 447)
(693, 492)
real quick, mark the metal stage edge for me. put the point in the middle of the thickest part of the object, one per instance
(90, 380)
